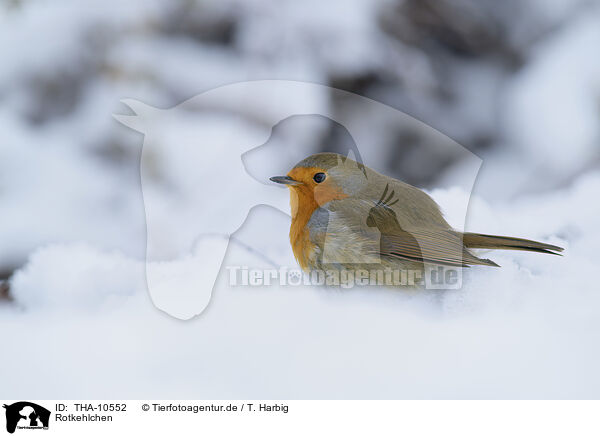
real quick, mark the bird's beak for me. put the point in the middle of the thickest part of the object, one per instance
(285, 180)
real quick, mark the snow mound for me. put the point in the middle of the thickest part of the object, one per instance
(526, 330)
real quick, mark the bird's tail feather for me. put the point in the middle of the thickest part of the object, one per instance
(477, 240)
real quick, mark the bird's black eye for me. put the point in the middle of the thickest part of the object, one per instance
(319, 177)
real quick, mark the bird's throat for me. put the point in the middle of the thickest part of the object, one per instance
(302, 205)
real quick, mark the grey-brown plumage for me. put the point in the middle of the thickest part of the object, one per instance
(358, 218)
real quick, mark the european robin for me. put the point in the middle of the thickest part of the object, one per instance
(348, 216)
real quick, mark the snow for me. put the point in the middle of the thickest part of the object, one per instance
(526, 330)
(554, 118)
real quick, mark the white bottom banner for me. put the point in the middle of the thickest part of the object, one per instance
(260, 417)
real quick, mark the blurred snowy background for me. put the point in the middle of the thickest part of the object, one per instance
(516, 83)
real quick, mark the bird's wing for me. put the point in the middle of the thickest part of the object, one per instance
(427, 214)
(429, 246)
(396, 238)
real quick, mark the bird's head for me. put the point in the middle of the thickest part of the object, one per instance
(321, 178)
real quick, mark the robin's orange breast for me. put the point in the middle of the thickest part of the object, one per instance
(304, 200)
(302, 207)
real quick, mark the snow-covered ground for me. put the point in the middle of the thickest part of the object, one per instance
(86, 326)
(517, 84)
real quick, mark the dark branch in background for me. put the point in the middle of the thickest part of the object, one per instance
(5, 291)
(6, 271)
